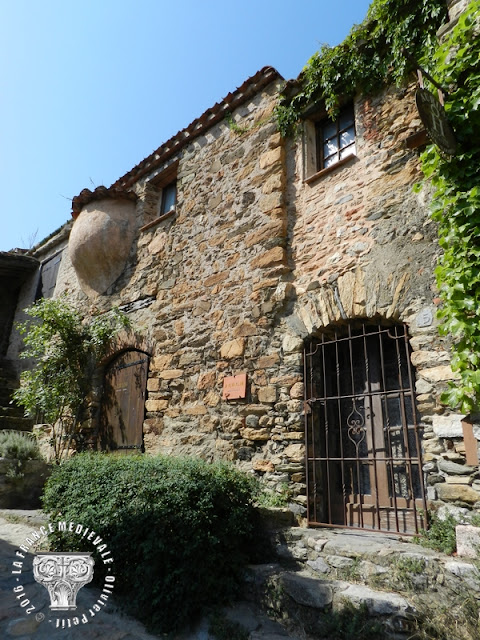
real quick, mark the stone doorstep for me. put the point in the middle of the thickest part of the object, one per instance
(328, 553)
(300, 597)
(319, 569)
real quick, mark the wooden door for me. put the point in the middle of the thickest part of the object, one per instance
(123, 405)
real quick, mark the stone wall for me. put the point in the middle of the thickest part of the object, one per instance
(363, 246)
(206, 285)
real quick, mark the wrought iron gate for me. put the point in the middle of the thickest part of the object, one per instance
(364, 464)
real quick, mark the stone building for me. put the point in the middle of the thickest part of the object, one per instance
(283, 297)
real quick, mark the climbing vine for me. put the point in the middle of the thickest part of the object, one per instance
(456, 205)
(372, 56)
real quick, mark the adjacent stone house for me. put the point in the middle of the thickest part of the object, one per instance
(283, 296)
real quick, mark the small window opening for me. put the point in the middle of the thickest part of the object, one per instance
(335, 139)
(168, 198)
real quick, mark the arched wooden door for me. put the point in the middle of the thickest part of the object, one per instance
(123, 403)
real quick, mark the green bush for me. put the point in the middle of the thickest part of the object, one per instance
(180, 530)
(440, 534)
(17, 445)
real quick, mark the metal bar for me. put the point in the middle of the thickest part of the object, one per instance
(128, 446)
(340, 430)
(129, 364)
(393, 488)
(358, 468)
(305, 418)
(379, 459)
(414, 61)
(344, 526)
(405, 424)
(386, 428)
(372, 424)
(390, 394)
(327, 434)
(314, 468)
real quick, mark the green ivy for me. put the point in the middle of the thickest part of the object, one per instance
(456, 205)
(372, 56)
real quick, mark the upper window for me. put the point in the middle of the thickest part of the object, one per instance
(168, 198)
(335, 139)
(48, 277)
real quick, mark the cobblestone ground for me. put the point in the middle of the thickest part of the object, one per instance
(110, 624)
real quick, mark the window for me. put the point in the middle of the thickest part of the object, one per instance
(168, 197)
(328, 143)
(335, 139)
(48, 277)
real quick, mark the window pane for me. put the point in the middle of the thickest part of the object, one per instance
(329, 130)
(347, 137)
(348, 151)
(329, 161)
(346, 119)
(330, 147)
(169, 194)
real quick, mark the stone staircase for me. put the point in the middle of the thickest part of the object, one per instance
(404, 589)
(11, 416)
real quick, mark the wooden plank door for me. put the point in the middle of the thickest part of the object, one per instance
(123, 405)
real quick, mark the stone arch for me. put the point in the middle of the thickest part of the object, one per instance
(351, 295)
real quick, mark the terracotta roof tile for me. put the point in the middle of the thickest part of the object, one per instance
(100, 193)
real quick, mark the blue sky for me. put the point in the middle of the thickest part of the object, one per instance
(90, 87)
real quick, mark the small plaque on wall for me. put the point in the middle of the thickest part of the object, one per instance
(235, 387)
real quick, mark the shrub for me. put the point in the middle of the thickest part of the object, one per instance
(180, 530)
(66, 351)
(19, 446)
(440, 534)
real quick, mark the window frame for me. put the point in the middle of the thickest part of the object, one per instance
(164, 198)
(321, 137)
(317, 118)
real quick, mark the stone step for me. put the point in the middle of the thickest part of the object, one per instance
(18, 423)
(305, 602)
(6, 393)
(355, 565)
(7, 411)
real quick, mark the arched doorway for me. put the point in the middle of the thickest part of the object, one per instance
(364, 464)
(123, 402)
